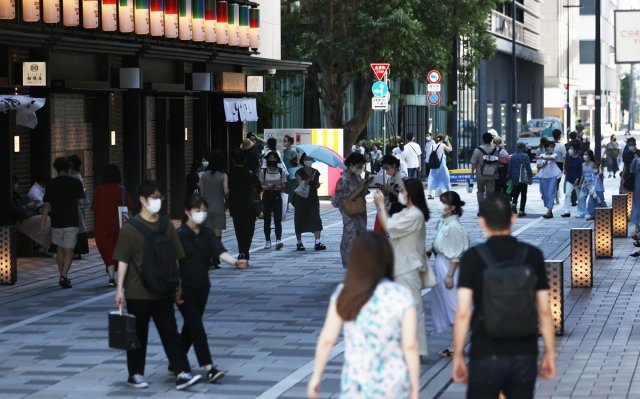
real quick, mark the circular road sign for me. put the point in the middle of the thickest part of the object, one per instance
(433, 76)
(433, 98)
(380, 89)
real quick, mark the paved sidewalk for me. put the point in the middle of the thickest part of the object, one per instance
(263, 322)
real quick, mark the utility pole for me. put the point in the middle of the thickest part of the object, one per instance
(513, 134)
(597, 128)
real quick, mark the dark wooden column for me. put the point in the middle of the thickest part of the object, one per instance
(202, 130)
(133, 143)
(6, 187)
(100, 116)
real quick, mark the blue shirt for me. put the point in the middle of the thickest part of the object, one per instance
(573, 168)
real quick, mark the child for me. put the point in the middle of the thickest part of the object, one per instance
(596, 193)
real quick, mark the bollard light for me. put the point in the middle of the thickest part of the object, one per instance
(555, 276)
(581, 258)
(619, 203)
(604, 232)
(8, 251)
(629, 204)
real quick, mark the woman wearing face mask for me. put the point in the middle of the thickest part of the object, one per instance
(200, 244)
(585, 183)
(214, 188)
(349, 187)
(273, 180)
(450, 242)
(290, 162)
(548, 173)
(307, 210)
(572, 171)
(407, 234)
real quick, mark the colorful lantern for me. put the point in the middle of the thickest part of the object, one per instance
(50, 11)
(254, 28)
(210, 21)
(222, 9)
(171, 19)
(89, 14)
(157, 18)
(30, 10)
(7, 9)
(109, 16)
(198, 20)
(185, 20)
(243, 29)
(70, 12)
(125, 16)
(142, 17)
(232, 25)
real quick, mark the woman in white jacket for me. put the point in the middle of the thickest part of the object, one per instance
(449, 244)
(407, 234)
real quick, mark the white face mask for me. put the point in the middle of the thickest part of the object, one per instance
(402, 199)
(154, 205)
(205, 164)
(585, 157)
(570, 152)
(199, 217)
(308, 163)
(428, 138)
(355, 170)
(632, 148)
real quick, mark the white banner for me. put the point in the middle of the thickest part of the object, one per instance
(627, 37)
(25, 107)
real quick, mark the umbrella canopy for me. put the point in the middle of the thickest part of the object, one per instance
(322, 154)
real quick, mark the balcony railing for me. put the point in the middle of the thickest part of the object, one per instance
(500, 25)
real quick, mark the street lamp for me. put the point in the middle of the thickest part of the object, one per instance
(568, 7)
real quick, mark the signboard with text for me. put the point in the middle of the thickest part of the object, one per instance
(627, 36)
(34, 73)
(380, 69)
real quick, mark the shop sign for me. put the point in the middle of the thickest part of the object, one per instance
(34, 73)
(234, 82)
(255, 84)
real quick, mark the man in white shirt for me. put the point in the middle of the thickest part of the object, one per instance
(428, 146)
(414, 156)
(400, 153)
(357, 147)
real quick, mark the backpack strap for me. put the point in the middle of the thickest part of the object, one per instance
(164, 223)
(483, 151)
(485, 255)
(140, 227)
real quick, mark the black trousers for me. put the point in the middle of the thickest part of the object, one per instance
(513, 375)
(520, 189)
(164, 318)
(244, 226)
(193, 332)
(272, 203)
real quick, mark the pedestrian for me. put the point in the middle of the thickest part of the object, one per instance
(585, 183)
(200, 244)
(561, 153)
(272, 146)
(381, 357)
(596, 194)
(428, 147)
(108, 196)
(290, 161)
(548, 173)
(438, 181)
(351, 187)
(504, 332)
(61, 199)
(192, 180)
(258, 141)
(306, 218)
(28, 221)
(376, 158)
(36, 191)
(357, 147)
(519, 171)
(251, 155)
(244, 202)
(612, 151)
(503, 165)
(214, 188)
(272, 179)
(572, 172)
(628, 154)
(414, 156)
(393, 181)
(399, 153)
(484, 164)
(407, 234)
(450, 242)
(82, 242)
(143, 302)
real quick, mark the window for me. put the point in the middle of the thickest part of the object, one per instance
(489, 116)
(588, 7)
(587, 51)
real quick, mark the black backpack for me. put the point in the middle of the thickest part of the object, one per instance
(159, 270)
(434, 161)
(509, 295)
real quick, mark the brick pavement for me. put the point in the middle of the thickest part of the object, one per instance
(263, 323)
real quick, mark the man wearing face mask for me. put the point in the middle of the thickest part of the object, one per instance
(627, 157)
(612, 150)
(142, 302)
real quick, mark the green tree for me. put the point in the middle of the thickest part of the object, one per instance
(341, 39)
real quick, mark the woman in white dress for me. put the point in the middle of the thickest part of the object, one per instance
(449, 244)
(439, 178)
(407, 234)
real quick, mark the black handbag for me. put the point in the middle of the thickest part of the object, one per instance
(122, 331)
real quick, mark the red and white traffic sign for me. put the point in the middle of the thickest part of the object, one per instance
(380, 70)
(433, 98)
(433, 76)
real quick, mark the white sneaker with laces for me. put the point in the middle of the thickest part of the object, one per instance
(267, 245)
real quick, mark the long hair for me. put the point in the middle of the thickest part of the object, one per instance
(415, 191)
(371, 261)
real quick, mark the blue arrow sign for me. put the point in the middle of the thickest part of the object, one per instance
(379, 89)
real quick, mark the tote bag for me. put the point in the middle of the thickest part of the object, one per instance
(123, 211)
(122, 331)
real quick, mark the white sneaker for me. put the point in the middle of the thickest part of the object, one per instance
(267, 245)
(137, 381)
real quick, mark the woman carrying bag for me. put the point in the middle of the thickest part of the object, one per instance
(307, 204)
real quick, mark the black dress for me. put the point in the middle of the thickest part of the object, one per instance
(307, 210)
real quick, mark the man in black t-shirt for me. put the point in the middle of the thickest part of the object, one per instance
(61, 199)
(499, 364)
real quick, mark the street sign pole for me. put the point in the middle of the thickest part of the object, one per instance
(384, 119)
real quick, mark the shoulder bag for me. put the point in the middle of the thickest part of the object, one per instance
(355, 207)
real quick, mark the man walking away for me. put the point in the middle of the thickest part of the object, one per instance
(61, 199)
(484, 163)
(414, 156)
(504, 337)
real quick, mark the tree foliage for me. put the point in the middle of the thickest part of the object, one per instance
(341, 38)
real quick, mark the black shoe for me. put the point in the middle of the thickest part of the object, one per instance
(635, 254)
(77, 257)
(185, 380)
(137, 381)
(320, 247)
(574, 204)
(279, 245)
(548, 215)
(64, 282)
(300, 247)
(112, 283)
(478, 214)
(565, 215)
(214, 375)
(242, 256)
(521, 213)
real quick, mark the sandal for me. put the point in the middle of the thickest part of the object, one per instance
(446, 354)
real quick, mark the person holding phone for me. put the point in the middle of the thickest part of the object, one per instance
(307, 209)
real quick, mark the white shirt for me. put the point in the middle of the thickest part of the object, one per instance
(428, 146)
(451, 239)
(402, 156)
(550, 168)
(376, 155)
(413, 151)
(355, 148)
(407, 233)
(560, 151)
(36, 193)
(439, 149)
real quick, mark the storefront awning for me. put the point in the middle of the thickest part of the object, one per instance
(240, 110)
(25, 107)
